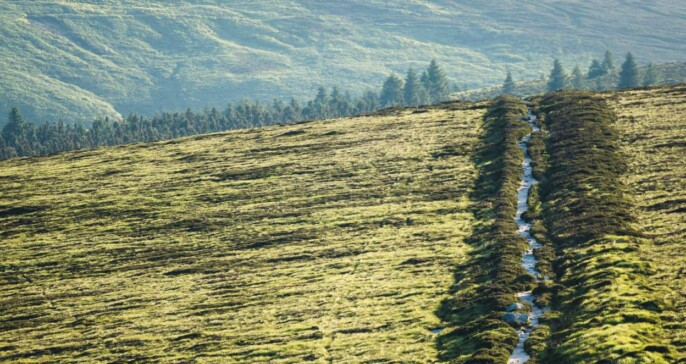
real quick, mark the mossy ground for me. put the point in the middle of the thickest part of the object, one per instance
(348, 240)
(486, 284)
(652, 129)
(328, 241)
(610, 310)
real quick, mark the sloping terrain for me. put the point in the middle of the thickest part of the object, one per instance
(385, 238)
(329, 241)
(652, 127)
(77, 60)
(604, 305)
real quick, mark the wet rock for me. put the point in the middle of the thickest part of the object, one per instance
(516, 319)
(514, 307)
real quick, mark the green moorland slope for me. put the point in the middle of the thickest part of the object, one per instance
(613, 204)
(77, 60)
(329, 241)
(350, 240)
(604, 305)
(487, 282)
(652, 131)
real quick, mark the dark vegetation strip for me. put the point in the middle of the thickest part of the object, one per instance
(546, 253)
(487, 284)
(536, 344)
(607, 309)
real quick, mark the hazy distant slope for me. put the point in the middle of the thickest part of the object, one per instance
(79, 59)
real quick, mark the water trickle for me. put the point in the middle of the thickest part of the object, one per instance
(528, 259)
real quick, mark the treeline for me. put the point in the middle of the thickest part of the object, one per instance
(432, 87)
(629, 75)
(22, 138)
(601, 75)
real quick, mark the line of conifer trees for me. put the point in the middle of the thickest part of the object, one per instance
(22, 138)
(429, 88)
(595, 78)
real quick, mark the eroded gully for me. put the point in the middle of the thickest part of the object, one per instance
(529, 260)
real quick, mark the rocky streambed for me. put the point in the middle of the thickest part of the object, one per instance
(525, 314)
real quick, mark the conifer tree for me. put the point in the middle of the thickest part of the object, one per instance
(508, 85)
(598, 85)
(438, 88)
(293, 111)
(371, 100)
(426, 82)
(577, 79)
(628, 76)
(278, 108)
(15, 127)
(608, 62)
(338, 104)
(413, 91)
(320, 104)
(558, 78)
(392, 92)
(595, 70)
(651, 76)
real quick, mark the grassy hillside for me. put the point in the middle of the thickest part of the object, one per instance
(653, 135)
(488, 281)
(80, 59)
(351, 240)
(608, 309)
(328, 241)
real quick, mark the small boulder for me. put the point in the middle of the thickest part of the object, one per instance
(514, 307)
(516, 320)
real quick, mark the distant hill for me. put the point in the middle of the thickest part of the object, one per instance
(76, 60)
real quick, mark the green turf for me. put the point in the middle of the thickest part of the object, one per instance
(653, 138)
(486, 284)
(328, 241)
(610, 310)
(349, 240)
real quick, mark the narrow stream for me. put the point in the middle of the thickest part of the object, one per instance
(528, 259)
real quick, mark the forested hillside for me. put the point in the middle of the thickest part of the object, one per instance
(20, 138)
(78, 60)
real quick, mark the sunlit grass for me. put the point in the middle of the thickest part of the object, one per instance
(612, 307)
(326, 241)
(653, 134)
